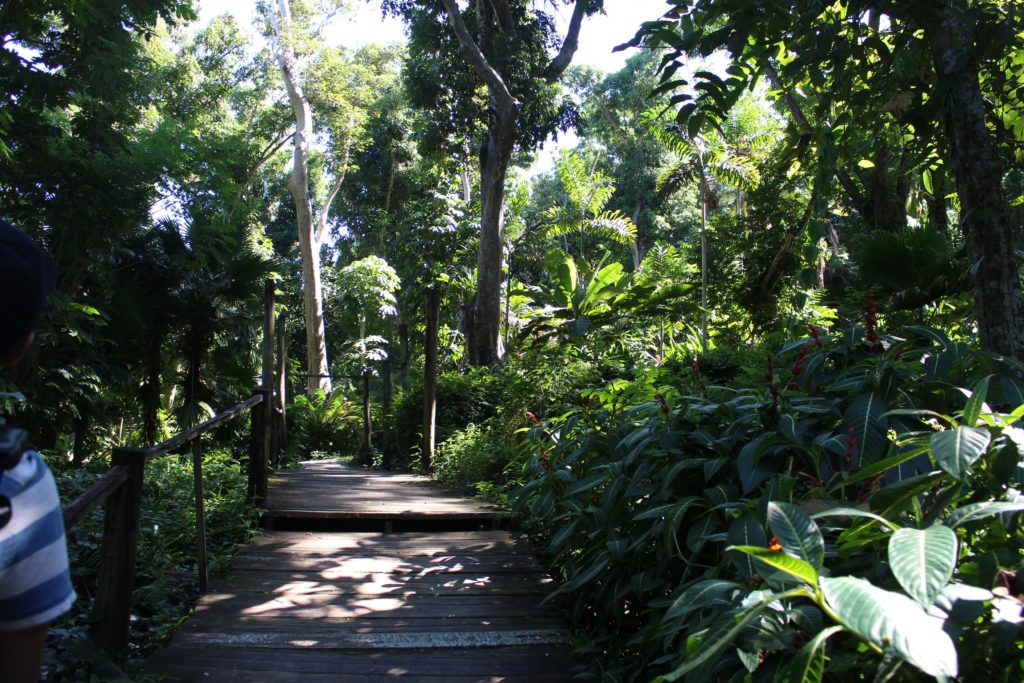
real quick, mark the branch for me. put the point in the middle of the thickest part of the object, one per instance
(471, 51)
(272, 148)
(771, 275)
(805, 128)
(321, 226)
(564, 57)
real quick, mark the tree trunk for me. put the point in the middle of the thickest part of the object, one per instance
(403, 349)
(979, 176)
(484, 320)
(298, 186)
(151, 395)
(367, 447)
(280, 393)
(703, 258)
(432, 311)
(385, 439)
(483, 324)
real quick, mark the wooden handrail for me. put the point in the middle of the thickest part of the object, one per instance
(121, 487)
(93, 496)
(175, 442)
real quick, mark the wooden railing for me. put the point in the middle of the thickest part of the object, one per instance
(121, 487)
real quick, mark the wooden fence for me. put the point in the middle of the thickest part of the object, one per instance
(121, 487)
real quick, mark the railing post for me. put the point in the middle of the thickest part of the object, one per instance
(259, 446)
(113, 606)
(197, 473)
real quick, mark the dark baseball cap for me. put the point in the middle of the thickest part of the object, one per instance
(27, 277)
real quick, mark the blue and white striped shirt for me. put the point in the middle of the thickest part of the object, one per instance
(35, 585)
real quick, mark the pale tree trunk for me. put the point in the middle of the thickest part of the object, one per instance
(703, 257)
(483, 323)
(432, 313)
(979, 177)
(298, 186)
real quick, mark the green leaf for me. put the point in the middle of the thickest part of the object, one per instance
(700, 595)
(866, 416)
(715, 641)
(955, 450)
(976, 402)
(854, 512)
(746, 531)
(923, 560)
(793, 566)
(976, 511)
(892, 621)
(807, 665)
(866, 163)
(797, 533)
(561, 536)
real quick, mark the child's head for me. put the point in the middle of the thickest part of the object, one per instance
(27, 276)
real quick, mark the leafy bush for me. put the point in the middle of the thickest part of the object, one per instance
(324, 423)
(473, 455)
(706, 533)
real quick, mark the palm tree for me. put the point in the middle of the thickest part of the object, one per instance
(713, 162)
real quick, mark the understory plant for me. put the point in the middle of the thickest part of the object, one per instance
(856, 516)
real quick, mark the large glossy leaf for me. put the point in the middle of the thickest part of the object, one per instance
(955, 450)
(719, 638)
(797, 533)
(972, 513)
(807, 665)
(866, 417)
(794, 567)
(854, 512)
(923, 560)
(746, 531)
(976, 402)
(703, 594)
(892, 621)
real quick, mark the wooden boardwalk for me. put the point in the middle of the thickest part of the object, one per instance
(373, 605)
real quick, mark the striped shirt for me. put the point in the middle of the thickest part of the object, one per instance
(35, 585)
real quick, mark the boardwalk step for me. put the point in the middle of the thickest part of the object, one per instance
(381, 599)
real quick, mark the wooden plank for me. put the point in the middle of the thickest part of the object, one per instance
(383, 638)
(470, 662)
(437, 607)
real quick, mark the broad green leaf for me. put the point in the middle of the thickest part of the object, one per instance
(955, 450)
(793, 566)
(881, 466)
(976, 402)
(854, 512)
(745, 530)
(923, 560)
(797, 533)
(561, 536)
(585, 484)
(892, 621)
(716, 640)
(866, 416)
(976, 511)
(672, 508)
(807, 665)
(700, 595)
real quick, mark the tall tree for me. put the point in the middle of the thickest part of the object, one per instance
(504, 43)
(919, 67)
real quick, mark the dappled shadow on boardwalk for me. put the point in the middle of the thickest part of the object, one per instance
(366, 606)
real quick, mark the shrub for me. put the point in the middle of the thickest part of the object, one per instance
(707, 533)
(478, 453)
(324, 423)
